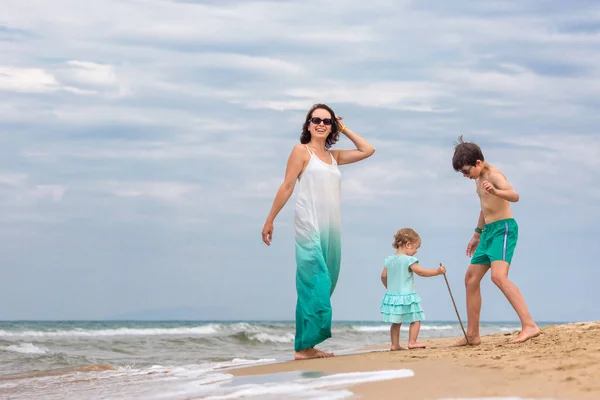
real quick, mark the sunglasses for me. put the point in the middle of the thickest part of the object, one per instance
(467, 171)
(317, 121)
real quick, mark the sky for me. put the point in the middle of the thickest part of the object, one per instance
(143, 141)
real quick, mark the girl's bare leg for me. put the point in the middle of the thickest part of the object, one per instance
(413, 334)
(395, 336)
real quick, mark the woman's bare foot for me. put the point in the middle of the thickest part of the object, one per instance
(396, 348)
(311, 353)
(323, 354)
(473, 341)
(526, 334)
(416, 345)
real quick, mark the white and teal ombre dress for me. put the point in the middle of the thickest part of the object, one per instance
(318, 249)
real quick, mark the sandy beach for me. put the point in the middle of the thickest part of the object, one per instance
(562, 363)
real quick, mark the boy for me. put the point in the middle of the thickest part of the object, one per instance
(493, 242)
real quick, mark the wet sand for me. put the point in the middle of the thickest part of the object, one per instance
(57, 372)
(562, 363)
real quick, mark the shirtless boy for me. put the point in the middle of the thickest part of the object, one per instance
(493, 242)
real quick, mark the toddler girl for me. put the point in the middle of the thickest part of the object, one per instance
(401, 303)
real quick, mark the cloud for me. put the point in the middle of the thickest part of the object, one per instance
(397, 95)
(163, 191)
(27, 80)
(18, 190)
(160, 130)
(89, 73)
(12, 178)
(78, 73)
(54, 193)
(264, 65)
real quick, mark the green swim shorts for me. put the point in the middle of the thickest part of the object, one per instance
(498, 242)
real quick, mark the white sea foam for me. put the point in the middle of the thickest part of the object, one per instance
(154, 382)
(208, 381)
(322, 387)
(197, 368)
(386, 328)
(507, 329)
(26, 348)
(238, 362)
(246, 327)
(380, 328)
(267, 337)
(191, 331)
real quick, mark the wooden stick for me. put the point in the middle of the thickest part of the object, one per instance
(456, 309)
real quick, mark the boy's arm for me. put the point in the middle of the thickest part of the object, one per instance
(500, 187)
(416, 268)
(474, 242)
(480, 222)
(384, 277)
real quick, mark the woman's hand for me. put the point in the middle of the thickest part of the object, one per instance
(267, 233)
(362, 151)
(340, 123)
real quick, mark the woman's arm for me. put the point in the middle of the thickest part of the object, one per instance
(362, 151)
(295, 165)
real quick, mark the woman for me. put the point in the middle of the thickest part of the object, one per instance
(317, 221)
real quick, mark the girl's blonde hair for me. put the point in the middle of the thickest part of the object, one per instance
(405, 235)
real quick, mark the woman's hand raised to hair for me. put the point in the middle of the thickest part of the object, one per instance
(340, 123)
(362, 151)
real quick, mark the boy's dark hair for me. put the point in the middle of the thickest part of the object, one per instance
(465, 153)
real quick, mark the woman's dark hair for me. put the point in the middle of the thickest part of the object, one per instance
(334, 135)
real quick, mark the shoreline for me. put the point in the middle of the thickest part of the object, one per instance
(562, 363)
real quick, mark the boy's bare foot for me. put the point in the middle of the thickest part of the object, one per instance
(473, 341)
(311, 353)
(526, 334)
(416, 345)
(396, 348)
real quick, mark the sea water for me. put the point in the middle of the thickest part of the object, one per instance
(181, 359)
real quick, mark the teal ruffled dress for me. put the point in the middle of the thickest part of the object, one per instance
(401, 304)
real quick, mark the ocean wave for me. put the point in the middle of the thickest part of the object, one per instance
(170, 381)
(207, 329)
(366, 329)
(245, 327)
(506, 329)
(240, 331)
(386, 328)
(264, 337)
(199, 330)
(26, 348)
